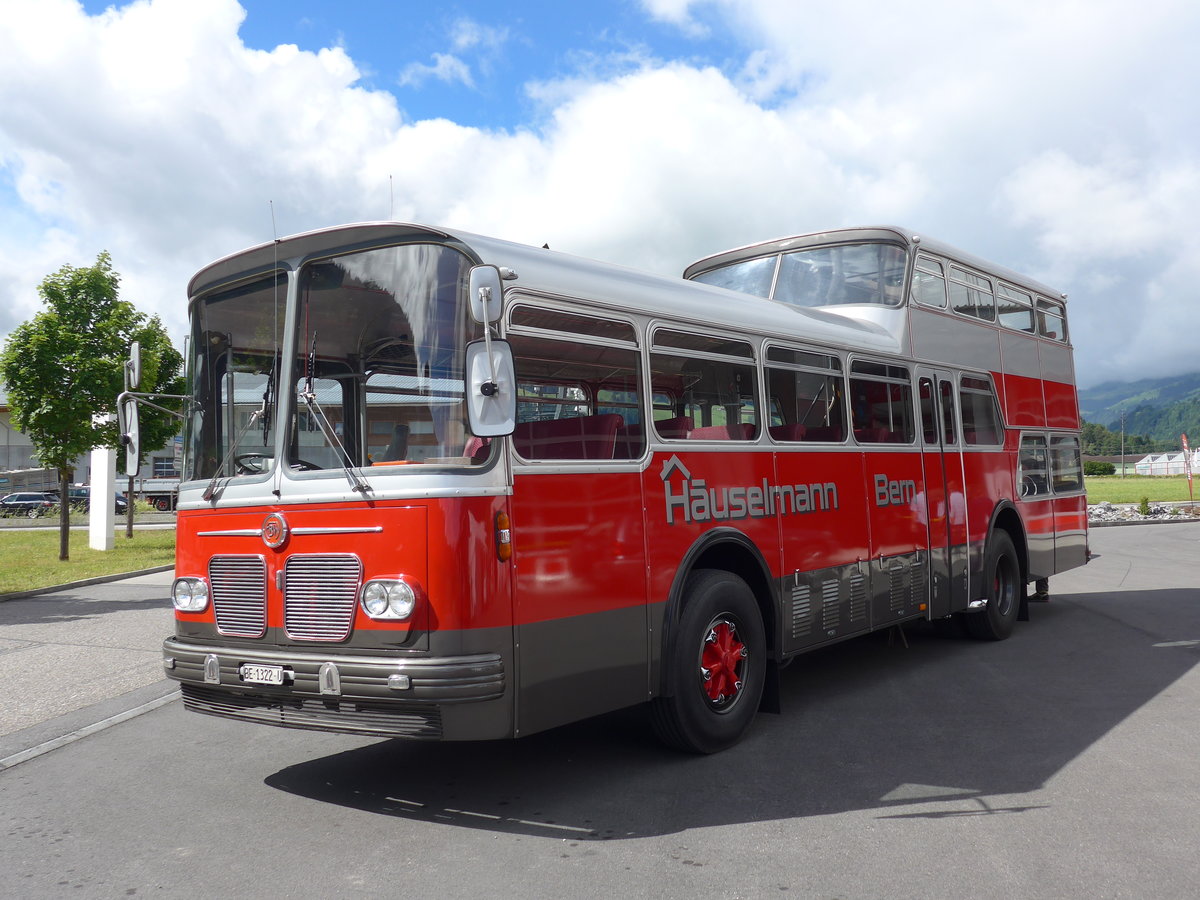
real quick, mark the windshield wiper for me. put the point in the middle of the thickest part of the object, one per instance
(259, 413)
(309, 396)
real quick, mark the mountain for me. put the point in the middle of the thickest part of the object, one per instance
(1104, 404)
(1161, 408)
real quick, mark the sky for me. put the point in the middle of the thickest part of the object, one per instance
(1060, 138)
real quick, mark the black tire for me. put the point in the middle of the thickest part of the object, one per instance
(720, 618)
(1005, 591)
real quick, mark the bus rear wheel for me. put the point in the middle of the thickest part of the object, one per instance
(716, 669)
(1005, 591)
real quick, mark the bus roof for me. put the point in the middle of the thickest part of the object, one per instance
(608, 287)
(889, 233)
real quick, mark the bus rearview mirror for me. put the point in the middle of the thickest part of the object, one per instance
(127, 424)
(491, 385)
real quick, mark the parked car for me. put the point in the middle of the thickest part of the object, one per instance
(29, 503)
(80, 499)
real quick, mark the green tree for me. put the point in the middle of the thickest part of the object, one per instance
(64, 369)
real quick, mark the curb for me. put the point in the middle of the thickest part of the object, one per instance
(71, 585)
(1126, 522)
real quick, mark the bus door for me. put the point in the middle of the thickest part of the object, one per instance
(945, 500)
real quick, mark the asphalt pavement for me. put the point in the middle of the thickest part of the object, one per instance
(70, 659)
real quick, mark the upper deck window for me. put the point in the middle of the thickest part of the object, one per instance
(1015, 308)
(871, 273)
(833, 276)
(1052, 321)
(929, 282)
(971, 295)
(753, 276)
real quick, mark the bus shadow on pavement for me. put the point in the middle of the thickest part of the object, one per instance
(942, 727)
(49, 609)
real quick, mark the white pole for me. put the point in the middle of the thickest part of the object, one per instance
(101, 517)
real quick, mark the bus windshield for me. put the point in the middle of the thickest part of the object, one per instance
(378, 375)
(871, 273)
(234, 367)
(376, 379)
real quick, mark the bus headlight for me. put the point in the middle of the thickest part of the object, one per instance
(190, 594)
(387, 598)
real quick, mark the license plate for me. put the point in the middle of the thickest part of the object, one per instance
(261, 674)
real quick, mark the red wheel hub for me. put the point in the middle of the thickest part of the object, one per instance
(721, 662)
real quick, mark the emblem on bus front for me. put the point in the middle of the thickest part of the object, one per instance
(274, 530)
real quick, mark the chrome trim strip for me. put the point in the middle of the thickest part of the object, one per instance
(256, 532)
(372, 529)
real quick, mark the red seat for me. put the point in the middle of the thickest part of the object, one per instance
(793, 431)
(739, 432)
(579, 437)
(676, 428)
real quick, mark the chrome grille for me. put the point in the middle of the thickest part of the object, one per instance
(239, 594)
(319, 595)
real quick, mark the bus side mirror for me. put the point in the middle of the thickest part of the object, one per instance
(491, 385)
(127, 425)
(485, 293)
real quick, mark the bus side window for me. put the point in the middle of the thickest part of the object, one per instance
(1033, 469)
(576, 400)
(713, 381)
(980, 412)
(946, 393)
(811, 404)
(881, 403)
(1066, 469)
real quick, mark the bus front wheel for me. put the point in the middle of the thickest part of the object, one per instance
(1005, 590)
(717, 666)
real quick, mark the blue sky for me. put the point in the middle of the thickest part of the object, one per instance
(1057, 137)
(497, 48)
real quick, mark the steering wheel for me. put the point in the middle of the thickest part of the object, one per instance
(251, 463)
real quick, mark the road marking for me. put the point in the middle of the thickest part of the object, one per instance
(79, 734)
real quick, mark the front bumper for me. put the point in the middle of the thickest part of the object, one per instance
(430, 698)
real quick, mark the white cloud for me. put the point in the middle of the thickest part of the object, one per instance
(1058, 139)
(445, 68)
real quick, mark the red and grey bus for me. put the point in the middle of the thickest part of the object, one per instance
(441, 486)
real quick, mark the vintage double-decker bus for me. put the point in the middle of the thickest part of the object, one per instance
(441, 486)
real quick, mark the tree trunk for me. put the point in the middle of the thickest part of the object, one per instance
(64, 514)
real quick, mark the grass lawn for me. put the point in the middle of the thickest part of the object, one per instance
(1132, 488)
(29, 559)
